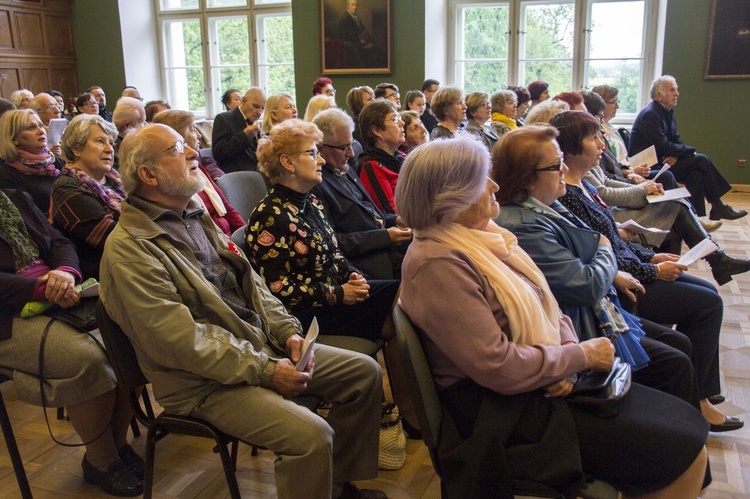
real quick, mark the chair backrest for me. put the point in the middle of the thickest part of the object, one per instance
(243, 190)
(419, 382)
(353, 161)
(124, 362)
(625, 134)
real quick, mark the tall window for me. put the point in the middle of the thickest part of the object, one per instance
(210, 46)
(571, 44)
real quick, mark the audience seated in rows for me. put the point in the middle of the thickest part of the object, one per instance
(295, 249)
(523, 353)
(198, 299)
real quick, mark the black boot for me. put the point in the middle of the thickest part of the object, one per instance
(723, 266)
(688, 227)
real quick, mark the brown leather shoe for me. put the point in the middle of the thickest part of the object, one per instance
(352, 492)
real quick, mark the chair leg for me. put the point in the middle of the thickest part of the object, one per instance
(148, 474)
(235, 444)
(134, 426)
(229, 473)
(15, 456)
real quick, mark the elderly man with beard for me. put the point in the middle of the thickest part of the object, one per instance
(216, 344)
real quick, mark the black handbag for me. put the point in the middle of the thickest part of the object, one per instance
(81, 317)
(598, 392)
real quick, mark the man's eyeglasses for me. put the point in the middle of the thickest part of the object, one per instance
(178, 146)
(343, 148)
(552, 168)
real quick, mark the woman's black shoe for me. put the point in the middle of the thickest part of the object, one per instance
(118, 480)
(716, 399)
(132, 459)
(729, 424)
(411, 432)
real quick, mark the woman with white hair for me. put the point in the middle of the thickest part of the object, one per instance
(86, 198)
(503, 356)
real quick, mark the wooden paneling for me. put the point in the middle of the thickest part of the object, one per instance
(58, 35)
(30, 36)
(9, 82)
(6, 35)
(36, 46)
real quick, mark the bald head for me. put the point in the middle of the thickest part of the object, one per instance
(129, 113)
(46, 107)
(132, 92)
(253, 104)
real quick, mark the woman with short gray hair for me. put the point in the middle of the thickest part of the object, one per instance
(504, 105)
(85, 200)
(478, 113)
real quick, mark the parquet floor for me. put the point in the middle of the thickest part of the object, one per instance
(186, 467)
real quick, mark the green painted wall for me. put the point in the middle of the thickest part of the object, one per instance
(408, 46)
(98, 46)
(712, 115)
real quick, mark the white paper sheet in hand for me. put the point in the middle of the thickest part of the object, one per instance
(663, 169)
(703, 248)
(669, 195)
(646, 156)
(637, 228)
(55, 130)
(308, 345)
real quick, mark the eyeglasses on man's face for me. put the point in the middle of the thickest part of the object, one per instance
(343, 148)
(179, 147)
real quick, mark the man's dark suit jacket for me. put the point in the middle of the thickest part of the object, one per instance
(232, 149)
(364, 243)
(656, 126)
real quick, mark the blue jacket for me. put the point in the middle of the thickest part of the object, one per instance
(578, 269)
(656, 126)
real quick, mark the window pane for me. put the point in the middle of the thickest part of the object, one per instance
(268, 2)
(278, 40)
(232, 41)
(276, 53)
(280, 79)
(623, 75)
(186, 89)
(225, 3)
(178, 4)
(485, 33)
(559, 75)
(485, 76)
(548, 32)
(228, 77)
(616, 30)
(183, 43)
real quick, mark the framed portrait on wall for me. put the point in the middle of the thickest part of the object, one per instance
(728, 55)
(355, 36)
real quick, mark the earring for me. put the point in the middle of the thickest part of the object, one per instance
(294, 174)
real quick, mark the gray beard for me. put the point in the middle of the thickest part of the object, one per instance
(183, 187)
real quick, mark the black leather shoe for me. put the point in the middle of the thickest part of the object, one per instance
(716, 399)
(723, 266)
(352, 492)
(132, 459)
(726, 212)
(118, 480)
(728, 425)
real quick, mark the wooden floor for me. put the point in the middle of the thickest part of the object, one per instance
(186, 467)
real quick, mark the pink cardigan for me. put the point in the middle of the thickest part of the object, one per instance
(446, 296)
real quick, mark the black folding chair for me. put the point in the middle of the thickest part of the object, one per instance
(10, 442)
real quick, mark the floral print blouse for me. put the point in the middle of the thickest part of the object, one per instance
(294, 249)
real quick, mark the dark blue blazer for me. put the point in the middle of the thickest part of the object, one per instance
(364, 243)
(233, 151)
(656, 126)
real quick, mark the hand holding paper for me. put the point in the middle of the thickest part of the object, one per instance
(703, 248)
(308, 345)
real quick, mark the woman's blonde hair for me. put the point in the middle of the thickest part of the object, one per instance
(319, 103)
(272, 104)
(285, 138)
(11, 124)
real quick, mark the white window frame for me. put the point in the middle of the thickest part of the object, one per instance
(253, 11)
(654, 21)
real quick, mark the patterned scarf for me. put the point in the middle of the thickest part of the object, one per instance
(35, 164)
(510, 122)
(13, 228)
(110, 193)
